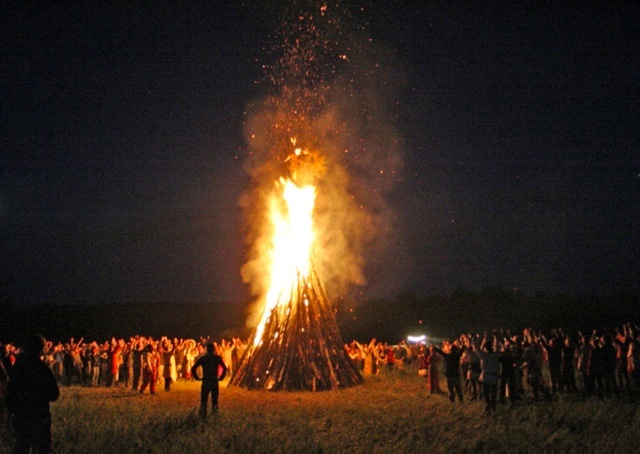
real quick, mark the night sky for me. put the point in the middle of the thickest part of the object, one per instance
(123, 156)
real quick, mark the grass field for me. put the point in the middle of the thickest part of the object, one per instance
(388, 414)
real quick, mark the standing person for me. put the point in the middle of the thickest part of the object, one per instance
(95, 365)
(553, 348)
(86, 364)
(78, 366)
(621, 342)
(390, 357)
(380, 354)
(127, 360)
(452, 369)
(584, 352)
(568, 369)
(633, 363)
(608, 357)
(137, 350)
(114, 362)
(58, 364)
(532, 362)
(226, 352)
(433, 362)
(190, 353)
(213, 370)
(32, 386)
(178, 353)
(594, 367)
(490, 375)
(473, 372)
(240, 347)
(104, 364)
(149, 367)
(69, 370)
(508, 366)
(352, 350)
(368, 354)
(400, 355)
(169, 372)
(464, 367)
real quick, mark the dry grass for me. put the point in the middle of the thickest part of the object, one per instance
(388, 414)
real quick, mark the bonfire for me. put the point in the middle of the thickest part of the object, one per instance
(297, 247)
(297, 344)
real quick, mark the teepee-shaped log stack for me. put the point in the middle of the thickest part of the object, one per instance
(301, 347)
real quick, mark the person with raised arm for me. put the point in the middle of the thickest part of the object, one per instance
(490, 371)
(452, 369)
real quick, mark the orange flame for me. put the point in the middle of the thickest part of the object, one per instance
(291, 215)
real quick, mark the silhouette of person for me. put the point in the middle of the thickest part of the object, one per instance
(32, 386)
(452, 370)
(149, 361)
(213, 371)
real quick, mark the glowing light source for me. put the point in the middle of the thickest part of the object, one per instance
(291, 215)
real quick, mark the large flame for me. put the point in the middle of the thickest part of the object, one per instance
(291, 215)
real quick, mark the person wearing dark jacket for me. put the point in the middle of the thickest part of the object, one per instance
(31, 388)
(452, 370)
(490, 375)
(553, 347)
(213, 371)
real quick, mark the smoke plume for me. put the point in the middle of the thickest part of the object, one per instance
(328, 91)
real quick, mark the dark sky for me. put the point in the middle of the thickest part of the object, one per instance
(122, 149)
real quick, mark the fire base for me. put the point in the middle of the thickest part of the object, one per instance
(300, 348)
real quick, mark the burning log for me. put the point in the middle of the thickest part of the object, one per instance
(300, 347)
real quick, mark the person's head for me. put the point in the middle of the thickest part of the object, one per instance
(210, 347)
(34, 345)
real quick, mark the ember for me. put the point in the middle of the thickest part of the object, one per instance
(296, 344)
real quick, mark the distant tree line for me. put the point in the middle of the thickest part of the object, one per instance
(386, 320)
(477, 311)
(104, 321)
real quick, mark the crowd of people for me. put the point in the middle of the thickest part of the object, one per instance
(501, 365)
(139, 363)
(494, 366)
(491, 368)
(30, 375)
